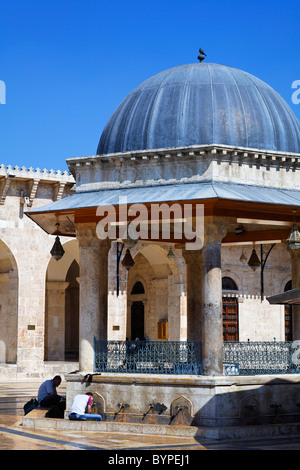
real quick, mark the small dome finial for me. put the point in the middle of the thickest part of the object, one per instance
(201, 55)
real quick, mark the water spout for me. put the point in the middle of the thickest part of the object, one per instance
(156, 407)
(122, 406)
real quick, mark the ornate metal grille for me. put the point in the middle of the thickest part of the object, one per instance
(277, 357)
(148, 357)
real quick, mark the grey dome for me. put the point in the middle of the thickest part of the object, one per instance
(201, 104)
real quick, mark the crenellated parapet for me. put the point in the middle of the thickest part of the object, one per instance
(29, 180)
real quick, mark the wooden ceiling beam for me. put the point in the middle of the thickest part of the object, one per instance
(256, 236)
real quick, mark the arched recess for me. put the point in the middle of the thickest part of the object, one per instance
(62, 305)
(137, 299)
(228, 283)
(138, 288)
(72, 313)
(162, 296)
(8, 305)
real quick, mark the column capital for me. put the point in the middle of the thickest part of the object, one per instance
(86, 235)
(294, 254)
(57, 285)
(105, 246)
(215, 229)
(192, 256)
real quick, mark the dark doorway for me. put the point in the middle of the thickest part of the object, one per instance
(137, 320)
(72, 314)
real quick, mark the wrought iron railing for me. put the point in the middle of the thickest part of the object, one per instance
(148, 357)
(184, 357)
(251, 358)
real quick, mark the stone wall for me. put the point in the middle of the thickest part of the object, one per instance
(24, 257)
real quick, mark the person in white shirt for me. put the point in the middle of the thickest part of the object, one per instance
(81, 408)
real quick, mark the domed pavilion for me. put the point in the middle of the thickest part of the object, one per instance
(183, 220)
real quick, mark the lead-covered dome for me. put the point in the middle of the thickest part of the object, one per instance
(201, 104)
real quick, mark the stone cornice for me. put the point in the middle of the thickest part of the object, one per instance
(179, 165)
(140, 156)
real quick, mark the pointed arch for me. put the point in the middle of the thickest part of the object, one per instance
(62, 305)
(138, 288)
(9, 286)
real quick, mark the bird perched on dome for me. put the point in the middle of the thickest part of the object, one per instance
(202, 55)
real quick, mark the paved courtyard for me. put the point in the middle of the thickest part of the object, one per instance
(14, 436)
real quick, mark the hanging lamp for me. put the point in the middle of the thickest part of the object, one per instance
(243, 258)
(254, 261)
(127, 261)
(294, 238)
(170, 254)
(57, 250)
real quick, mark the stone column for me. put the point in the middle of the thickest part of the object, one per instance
(295, 258)
(212, 331)
(93, 255)
(193, 259)
(104, 248)
(55, 321)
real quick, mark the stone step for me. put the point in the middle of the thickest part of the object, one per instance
(36, 419)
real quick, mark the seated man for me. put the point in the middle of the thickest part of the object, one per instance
(81, 408)
(47, 394)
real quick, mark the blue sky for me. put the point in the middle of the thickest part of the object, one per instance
(67, 64)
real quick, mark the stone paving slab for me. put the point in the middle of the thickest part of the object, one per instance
(36, 420)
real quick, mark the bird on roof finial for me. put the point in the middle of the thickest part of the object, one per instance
(202, 55)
